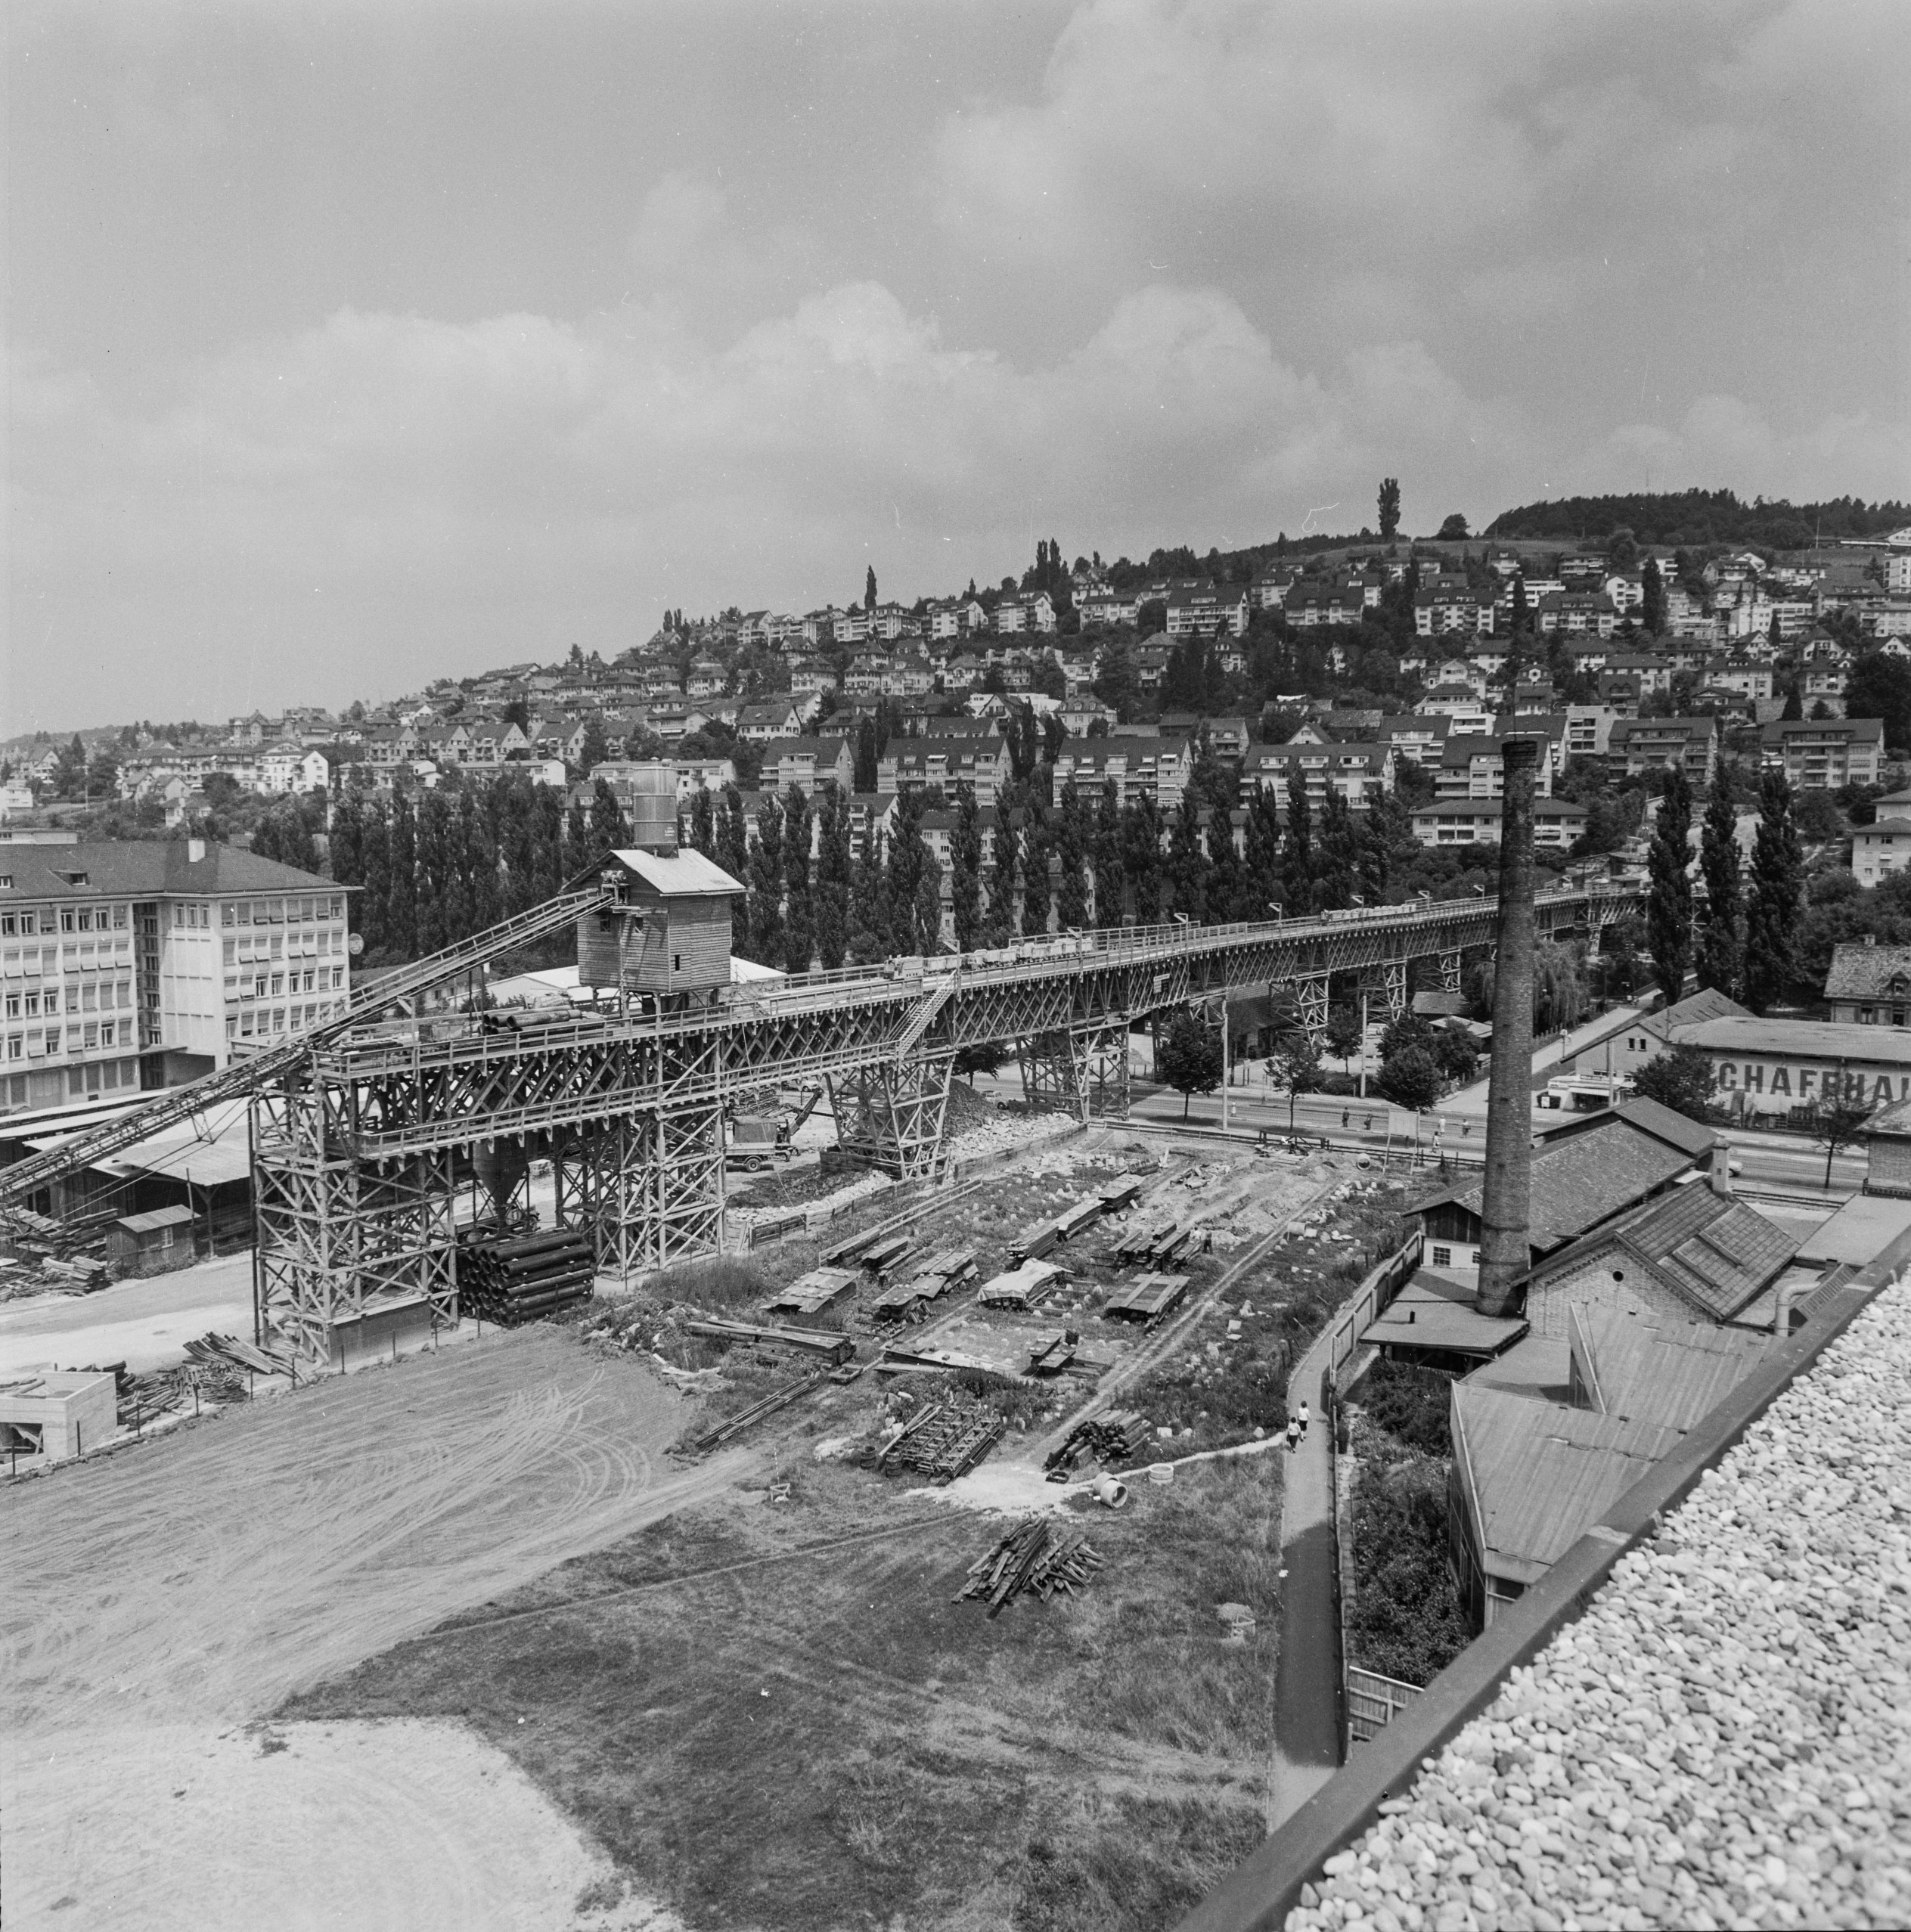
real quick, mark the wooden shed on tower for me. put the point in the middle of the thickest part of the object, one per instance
(664, 927)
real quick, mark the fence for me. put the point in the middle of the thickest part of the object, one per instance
(1374, 1295)
(1373, 1702)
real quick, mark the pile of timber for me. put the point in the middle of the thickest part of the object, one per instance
(813, 1294)
(524, 1277)
(826, 1344)
(229, 1350)
(882, 1257)
(946, 1438)
(1040, 1554)
(1158, 1243)
(1148, 1298)
(1120, 1194)
(1113, 1438)
(734, 1425)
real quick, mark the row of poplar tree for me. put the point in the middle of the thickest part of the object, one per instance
(1744, 941)
(436, 869)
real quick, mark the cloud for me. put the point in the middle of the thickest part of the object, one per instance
(384, 496)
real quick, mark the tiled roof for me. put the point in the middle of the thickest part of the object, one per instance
(1862, 971)
(145, 867)
(1708, 1003)
(1581, 1179)
(1711, 1249)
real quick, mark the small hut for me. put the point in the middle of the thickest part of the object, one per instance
(667, 929)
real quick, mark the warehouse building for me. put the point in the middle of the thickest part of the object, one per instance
(1767, 1068)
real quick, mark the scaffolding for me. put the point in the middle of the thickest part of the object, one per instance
(893, 1116)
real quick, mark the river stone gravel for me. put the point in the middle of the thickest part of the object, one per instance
(1724, 1739)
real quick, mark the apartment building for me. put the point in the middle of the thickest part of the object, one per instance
(140, 963)
(1823, 755)
(1642, 745)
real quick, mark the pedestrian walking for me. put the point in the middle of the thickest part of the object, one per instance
(1303, 1418)
(1293, 1435)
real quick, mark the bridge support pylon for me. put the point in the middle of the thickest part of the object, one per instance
(1084, 1073)
(1310, 997)
(647, 1187)
(894, 1116)
(1449, 971)
(338, 1237)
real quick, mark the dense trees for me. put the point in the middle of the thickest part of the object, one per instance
(1698, 517)
(1721, 944)
(1389, 508)
(1777, 899)
(1668, 905)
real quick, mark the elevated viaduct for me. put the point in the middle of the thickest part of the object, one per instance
(359, 1143)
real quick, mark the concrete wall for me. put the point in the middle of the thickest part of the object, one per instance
(74, 1411)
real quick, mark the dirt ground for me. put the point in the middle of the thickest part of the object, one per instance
(144, 1324)
(304, 1827)
(777, 1716)
(188, 1586)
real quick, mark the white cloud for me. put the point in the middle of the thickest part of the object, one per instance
(385, 495)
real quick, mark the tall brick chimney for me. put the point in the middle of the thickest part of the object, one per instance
(1507, 1207)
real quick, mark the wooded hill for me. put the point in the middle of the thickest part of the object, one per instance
(1701, 517)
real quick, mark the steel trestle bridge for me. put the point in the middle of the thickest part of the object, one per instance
(356, 1147)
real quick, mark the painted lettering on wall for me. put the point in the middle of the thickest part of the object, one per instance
(1861, 1086)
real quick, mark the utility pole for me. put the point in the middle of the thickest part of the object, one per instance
(1505, 1248)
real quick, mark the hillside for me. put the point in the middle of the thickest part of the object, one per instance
(1701, 517)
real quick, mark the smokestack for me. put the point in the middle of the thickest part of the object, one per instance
(1720, 1178)
(1505, 1245)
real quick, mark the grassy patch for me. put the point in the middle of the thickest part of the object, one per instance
(1411, 1404)
(827, 1740)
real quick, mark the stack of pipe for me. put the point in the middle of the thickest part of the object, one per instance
(525, 1276)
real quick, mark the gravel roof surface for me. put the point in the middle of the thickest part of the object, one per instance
(1724, 1739)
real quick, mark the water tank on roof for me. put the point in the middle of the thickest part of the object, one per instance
(647, 790)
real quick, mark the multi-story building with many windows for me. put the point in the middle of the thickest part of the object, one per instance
(145, 963)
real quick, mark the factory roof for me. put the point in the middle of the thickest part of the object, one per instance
(123, 868)
(1433, 1312)
(1800, 1039)
(1636, 1368)
(1536, 1473)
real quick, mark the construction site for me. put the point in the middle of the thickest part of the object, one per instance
(719, 1469)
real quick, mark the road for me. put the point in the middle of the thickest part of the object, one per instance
(1777, 1160)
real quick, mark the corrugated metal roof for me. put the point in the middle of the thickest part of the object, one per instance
(1816, 1040)
(678, 875)
(1540, 1475)
(1648, 1371)
(199, 1163)
(157, 1218)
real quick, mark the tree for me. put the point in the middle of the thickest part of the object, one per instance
(983, 1057)
(1455, 1055)
(1721, 945)
(1776, 900)
(869, 588)
(1668, 905)
(1880, 686)
(1297, 851)
(1389, 508)
(869, 919)
(1680, 1078)
(799, 929)
(1411, 1079)
(402, 907)
(1836, 1124)
(868, 752)
(596, 748)
(1622, 549)
(966, 870)
(1107, 858)
(832, 878)
(1072, 832)
(1295, 1067)
(766, 885)
(1652, 598)
(1188, 1057)
(1453, 530)
(1036, 894)
(610, 830)
(1187, 864)
(1343, 1033)
(1141, 857)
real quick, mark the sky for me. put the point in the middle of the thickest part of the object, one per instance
(351, 345)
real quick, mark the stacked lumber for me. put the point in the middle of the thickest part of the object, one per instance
(1120, 1194)
(1040, 1555)
(1113, 1438)
(525, 1277)
(880, 1256)
(1078, 1215)
(1148, 1298)
(1033, 1242)
(952, 1267)
(1137, 1241)
(945, 1439)
(234, 1352)
(906, 1301)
